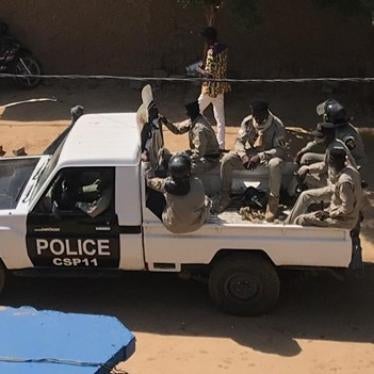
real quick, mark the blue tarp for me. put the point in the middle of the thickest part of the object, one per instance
(64, 343)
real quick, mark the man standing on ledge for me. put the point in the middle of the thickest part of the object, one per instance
(214, 67)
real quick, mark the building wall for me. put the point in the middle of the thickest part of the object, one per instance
(294, 37)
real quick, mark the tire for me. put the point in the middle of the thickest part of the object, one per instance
(27, 61)
(246, 285)
(2, 276)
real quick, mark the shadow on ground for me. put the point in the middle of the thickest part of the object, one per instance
(315, 307)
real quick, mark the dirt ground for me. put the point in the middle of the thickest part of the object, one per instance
(321, 324)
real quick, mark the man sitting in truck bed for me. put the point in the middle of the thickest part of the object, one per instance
(261, 140)
(186, 208)
(204, 149)
(315, 175)
(333, 112)
(343, 191)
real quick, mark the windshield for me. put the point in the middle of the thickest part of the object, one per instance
(14, 175)
(48, 169)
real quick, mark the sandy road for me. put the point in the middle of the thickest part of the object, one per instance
(320, 325)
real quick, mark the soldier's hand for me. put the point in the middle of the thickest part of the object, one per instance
(254, 161)
(302, 172)
(322, 215)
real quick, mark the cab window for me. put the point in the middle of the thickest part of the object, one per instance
(79, 191)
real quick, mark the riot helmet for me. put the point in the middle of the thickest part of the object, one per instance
(180, 171)
(180, 166)
(332, 111)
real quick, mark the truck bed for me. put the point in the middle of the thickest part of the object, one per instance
(285, 245)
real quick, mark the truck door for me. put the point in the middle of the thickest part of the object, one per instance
(74, 224)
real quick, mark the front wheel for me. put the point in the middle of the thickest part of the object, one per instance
(28, 65)
(244, 284)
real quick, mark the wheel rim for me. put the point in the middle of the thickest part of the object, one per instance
(32, 66)
(242, 287)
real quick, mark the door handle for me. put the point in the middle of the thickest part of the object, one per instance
(103, 228)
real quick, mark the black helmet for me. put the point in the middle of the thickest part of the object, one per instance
(180, 166)
(333, 111)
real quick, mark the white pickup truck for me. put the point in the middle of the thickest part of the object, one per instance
(41, 229)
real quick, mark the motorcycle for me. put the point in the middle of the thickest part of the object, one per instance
(16, 59)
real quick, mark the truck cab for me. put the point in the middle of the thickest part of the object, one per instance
(84, 208)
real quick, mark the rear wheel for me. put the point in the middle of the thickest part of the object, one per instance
(244, 284)
(28, 65)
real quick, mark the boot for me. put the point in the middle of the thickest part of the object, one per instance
(272, 209)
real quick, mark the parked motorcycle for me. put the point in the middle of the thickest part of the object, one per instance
(16, 59)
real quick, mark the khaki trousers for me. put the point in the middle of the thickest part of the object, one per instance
(305, 199)
(310, 219)
(232, 162)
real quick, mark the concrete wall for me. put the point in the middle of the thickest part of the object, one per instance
(294, 38)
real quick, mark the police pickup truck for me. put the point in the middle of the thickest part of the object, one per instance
(83, 209)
